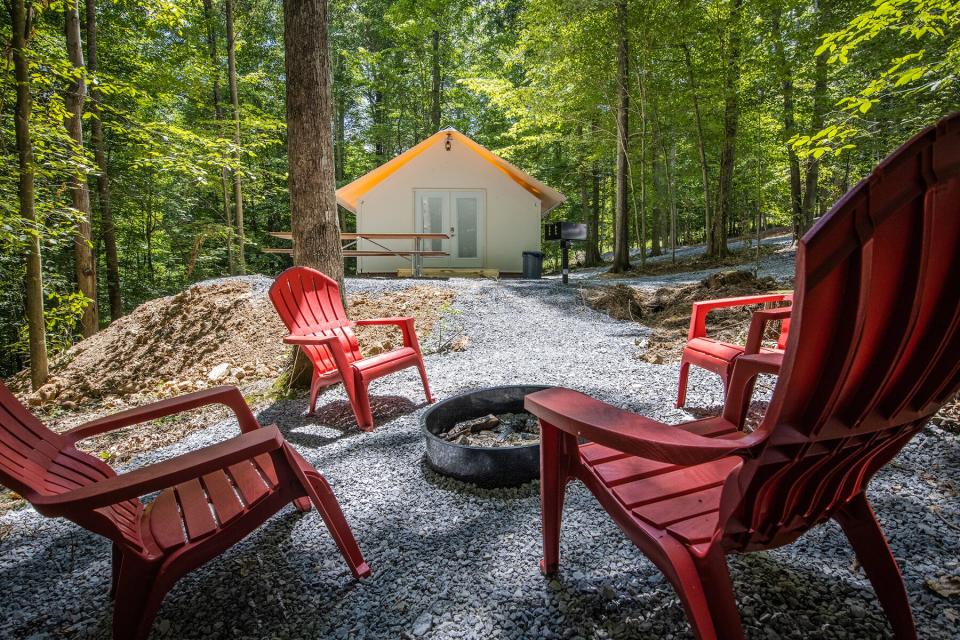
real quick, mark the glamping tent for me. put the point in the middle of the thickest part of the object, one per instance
(449, 184)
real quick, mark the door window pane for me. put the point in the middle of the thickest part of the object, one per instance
(467, 231)
(433, 220)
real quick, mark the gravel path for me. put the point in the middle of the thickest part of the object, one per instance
(779, 265)
(453, 562)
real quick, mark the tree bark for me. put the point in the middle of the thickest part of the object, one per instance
(701, 148)
(36, 327)
(218, 117)
(84, 265)
(235, 116)
(621, 228)
(313, 204)
(731, 114)
(593, 257)
(789, 121)
(107, 229)
(435, 88)
(818, 114)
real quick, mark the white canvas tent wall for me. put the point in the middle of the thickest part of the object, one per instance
(460, 185)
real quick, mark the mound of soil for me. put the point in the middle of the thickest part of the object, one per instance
(219, 332)
(667, 310)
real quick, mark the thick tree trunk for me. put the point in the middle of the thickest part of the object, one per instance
(107, 229)
(789, 122)
(84, 265)
(701, 149)
(218, 117)
(621, 227)
(36, 327)
(313, 204)
(731, 114)
(435, 88)
(235, 116)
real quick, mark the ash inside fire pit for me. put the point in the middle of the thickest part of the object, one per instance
(501, 430)
(484, 437)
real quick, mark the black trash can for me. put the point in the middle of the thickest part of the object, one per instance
(532, 265)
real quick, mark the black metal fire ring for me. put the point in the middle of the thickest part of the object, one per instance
(487, 467)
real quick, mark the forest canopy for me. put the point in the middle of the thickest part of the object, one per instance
(157, 150)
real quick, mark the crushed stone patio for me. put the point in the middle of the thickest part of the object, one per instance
(450, 561)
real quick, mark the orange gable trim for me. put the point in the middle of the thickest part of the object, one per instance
(349, 195)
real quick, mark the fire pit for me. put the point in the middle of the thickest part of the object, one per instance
(484, 437)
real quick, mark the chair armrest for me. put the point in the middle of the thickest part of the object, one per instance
(374, 321)
(405, 324)
(758, 324)
(309, 340)
(229, 396)
(583, 416)
(698, 317)
(162, 475)
(746, 368)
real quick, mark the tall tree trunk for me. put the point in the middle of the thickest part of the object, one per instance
(107, 228)
(789, 120)
(701, 149)
(621, 227)
(235, 116)
(218, 117)
(313, 203)
(657, 209)
(593, 257)
(435, 88)
(731, 114)
(36, 327)
(818, 114)
(84, 265)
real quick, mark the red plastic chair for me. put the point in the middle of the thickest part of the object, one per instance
(208, 499)
(872, 355)
(310, 306)
(718, 356)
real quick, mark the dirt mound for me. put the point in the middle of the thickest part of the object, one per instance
(218, 332)
(667, 310)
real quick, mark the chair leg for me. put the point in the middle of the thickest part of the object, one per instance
(314, 392)
(554, 474)
(115, 569)
(706, 592)
(361, 406)
(682, 384)
(302, 504)
(333, 517)
(137, 600)
(426, 385)
(863, 531)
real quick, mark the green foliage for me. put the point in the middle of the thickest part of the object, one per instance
(534, 80)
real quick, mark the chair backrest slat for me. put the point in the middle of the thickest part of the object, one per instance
(309, 303)
(35, 461)
(873, 345)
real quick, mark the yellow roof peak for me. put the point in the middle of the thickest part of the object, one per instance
(349, 195)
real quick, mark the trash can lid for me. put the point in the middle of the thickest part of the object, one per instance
(538, 254)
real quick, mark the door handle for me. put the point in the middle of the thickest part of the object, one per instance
(452, 232)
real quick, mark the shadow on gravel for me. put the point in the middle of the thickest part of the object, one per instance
(452, 485)
(332, 421)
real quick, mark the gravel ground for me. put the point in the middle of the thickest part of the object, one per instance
(778, 265)
(454, 562)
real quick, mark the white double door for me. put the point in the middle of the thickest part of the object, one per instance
(460, 214)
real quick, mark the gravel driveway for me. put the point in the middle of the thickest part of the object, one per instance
(454, 562)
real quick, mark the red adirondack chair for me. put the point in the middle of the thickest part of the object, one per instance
(309, 305)
(208, 499)
(718, 356)
(873, 352)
